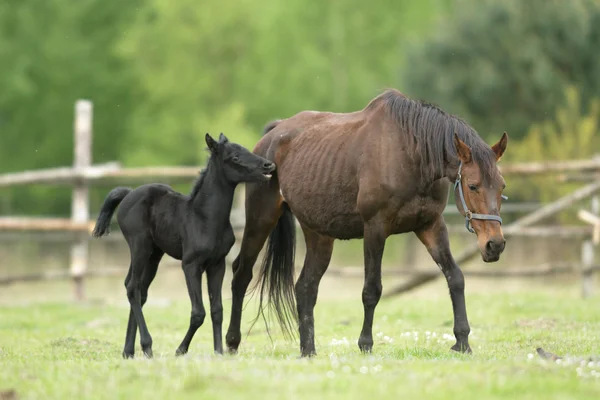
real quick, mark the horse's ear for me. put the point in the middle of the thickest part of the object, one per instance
(462, 150)
(500, 147)
(212, 144)
(223, 138)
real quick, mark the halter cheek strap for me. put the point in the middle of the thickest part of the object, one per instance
(468, 214)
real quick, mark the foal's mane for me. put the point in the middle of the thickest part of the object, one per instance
(433, 130)
(201, 177)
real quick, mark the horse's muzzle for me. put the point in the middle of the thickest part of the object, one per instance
(493, 249)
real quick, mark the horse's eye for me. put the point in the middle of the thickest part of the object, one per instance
(235, 159)
(472, 188)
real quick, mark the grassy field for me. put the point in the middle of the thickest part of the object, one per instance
(51, 348)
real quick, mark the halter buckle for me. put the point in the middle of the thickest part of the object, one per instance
(468, 215)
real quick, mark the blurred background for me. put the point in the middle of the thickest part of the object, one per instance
(162, 73)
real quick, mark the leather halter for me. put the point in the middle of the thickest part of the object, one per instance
(468, 214)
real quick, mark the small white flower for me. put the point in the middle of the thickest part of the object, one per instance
(346, 369)
(330, 374)
(559, 361)
(364, 370)
(591, 364)
(427, 333)
(530, 356)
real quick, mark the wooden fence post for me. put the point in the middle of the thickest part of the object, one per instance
(80, 201)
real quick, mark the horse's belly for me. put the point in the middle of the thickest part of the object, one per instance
(336, 223)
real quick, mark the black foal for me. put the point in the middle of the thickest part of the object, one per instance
(195, 229)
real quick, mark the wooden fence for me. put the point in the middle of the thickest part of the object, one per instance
(83, 174)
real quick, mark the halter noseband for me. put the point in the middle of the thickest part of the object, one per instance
(468, 214)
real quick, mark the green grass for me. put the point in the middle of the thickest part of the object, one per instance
(51, 348)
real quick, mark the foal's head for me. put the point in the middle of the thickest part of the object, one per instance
(481, 185)
(238, 163)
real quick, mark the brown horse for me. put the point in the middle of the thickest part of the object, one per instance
(369, 174)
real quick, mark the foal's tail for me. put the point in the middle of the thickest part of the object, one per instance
(276, 278)
(113, 199)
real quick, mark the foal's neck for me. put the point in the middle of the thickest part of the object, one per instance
(214, 198)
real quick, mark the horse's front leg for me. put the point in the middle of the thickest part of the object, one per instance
(374, 243)
(435, 238)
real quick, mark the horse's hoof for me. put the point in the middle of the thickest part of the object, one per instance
(180, 352)
(308, 354)
(127, 355)
(232, 351)
(461, 348)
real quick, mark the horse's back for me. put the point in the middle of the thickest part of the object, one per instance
(319, 157)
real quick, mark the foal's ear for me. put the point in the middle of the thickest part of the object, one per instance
(462, 150)
(500, 147)
(212, 144)
(223, 138)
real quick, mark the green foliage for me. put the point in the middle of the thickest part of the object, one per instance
(569, 135)
(505, 64)
(162, 73)
(53, 53)
(199, 64)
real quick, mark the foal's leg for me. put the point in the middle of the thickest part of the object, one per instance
(147, 278)
(263, 208)
(141, 256)
(214, 276)
(316, 261)
(193, 279)
(374, 243)
(435, 238)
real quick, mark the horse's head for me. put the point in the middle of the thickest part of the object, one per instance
(478, 196)
(238, 163)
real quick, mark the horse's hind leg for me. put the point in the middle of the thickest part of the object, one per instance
(316, 261)
(263, 209)
(214, 276)
(141, 256)
(147, 278)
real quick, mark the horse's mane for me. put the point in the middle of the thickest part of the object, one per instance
(433, 130)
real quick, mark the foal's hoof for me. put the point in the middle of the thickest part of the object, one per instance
(148, 353)
(127, 355)
(308, 354)
(462, 348)
(180, 352)
(365, 346)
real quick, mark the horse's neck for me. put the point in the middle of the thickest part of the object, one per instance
(214, 199)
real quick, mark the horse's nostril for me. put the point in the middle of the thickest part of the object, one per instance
(268, 165)
(494, 246)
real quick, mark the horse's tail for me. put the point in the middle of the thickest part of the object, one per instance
(113, 199)
(276, 278)
(268, 127)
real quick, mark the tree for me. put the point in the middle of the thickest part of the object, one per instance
(503, 65)
(567, 135)
(248, 64)
(55, 52)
